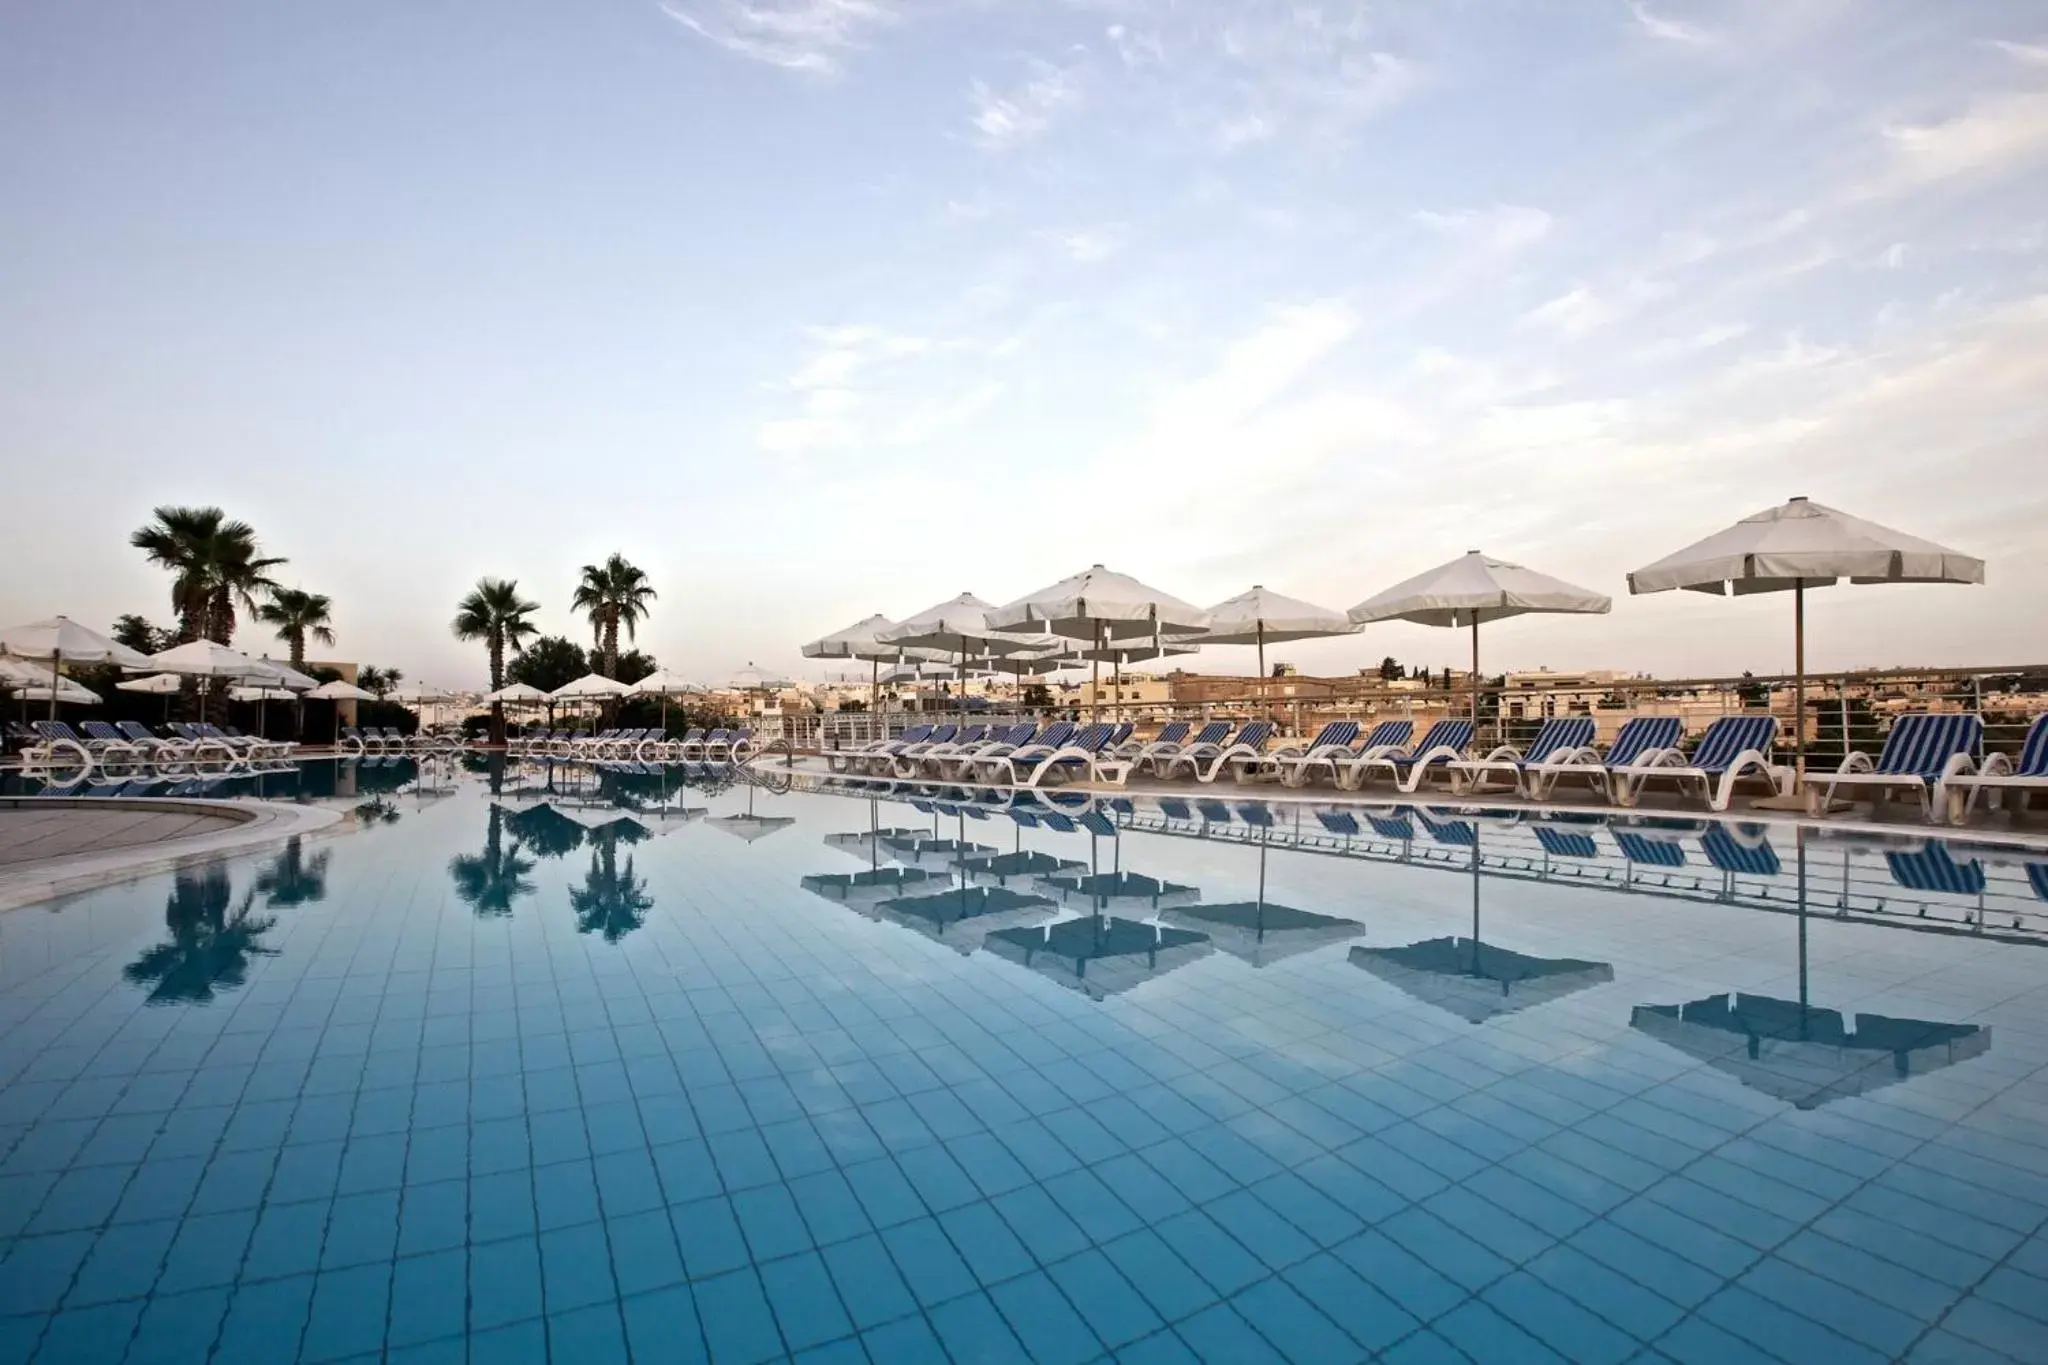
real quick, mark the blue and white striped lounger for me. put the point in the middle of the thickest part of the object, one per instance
(1640, 736)
(1556, 737)
(2000, 774)
(1387, 737)
(1206, 762)
(1746, 859)
(1932, 869)
(1733, 747)
(1334, 740)
(1159, 752)
(1446, 741)
(1922, 753)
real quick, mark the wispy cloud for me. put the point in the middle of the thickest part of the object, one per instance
(1999, 134)
(2033, 54)
(1501, 227)
(1088, 245)
(797, 35)
(832, 403)
(1003, 119)
(1670, 30)
(1584, 309)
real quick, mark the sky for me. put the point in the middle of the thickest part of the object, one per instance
(821, 308)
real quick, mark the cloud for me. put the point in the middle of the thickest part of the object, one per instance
(1670, 30)
(1502, 227)
(1999, 134)
(2033, 54)
(1894, 256)
(833, 405)
(813, 36)
(1087, 246)
(1006, 119)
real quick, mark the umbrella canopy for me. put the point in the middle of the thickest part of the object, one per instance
(752, 679)
(420, 694)
(1261, 933)
(861, 640)
(516, 693)
(1799, 545)
(1472, 589)
(66, 691)
(1260, 616)
(1805, 1055)
(1097, 955)
(1099, 604)
(957, 626)
(587, 686)
(287, 677)
(205, 659)
(60, 637)
(878, 884)
(751, 827)
(156, 684)
(663, 683)
(963, 917)
(1112, 890)
(340, 691)
(260, 694)
(1475, 980)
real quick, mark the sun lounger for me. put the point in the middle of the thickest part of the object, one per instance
(1335, 738)
(1732, 853)
(856, 760)
(1087, 753)
(1445, 742)
(928, 756)
(2001, 774)
(1150, 756)
(1648, 849)
(1173, 732)
(1932, 869)
(1206, 762)
(1052, 736)
(1639, 736)
(1733, 747)
(956, 761)
(1556, 736)
(1385, 738)
(1921, 753)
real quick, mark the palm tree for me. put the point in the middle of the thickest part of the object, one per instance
(297, 614)
(210, 945)
(291, 878)
(379, 680)
(611, 901)
(492, 880)
(139, 635)
(613, 594)
(216, 564)
(495, 613)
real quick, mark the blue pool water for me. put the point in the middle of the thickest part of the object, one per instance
(652, 1065)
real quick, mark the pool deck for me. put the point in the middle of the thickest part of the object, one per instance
(52, 847)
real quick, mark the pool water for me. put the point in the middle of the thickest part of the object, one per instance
(552, 1062)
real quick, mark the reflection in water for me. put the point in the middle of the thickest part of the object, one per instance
(291, 878)
(545, 831)
(490, 881)
(1471, 978)
(210, 944)
(1795, 1051)
(612, 901)
(876, 884)
(961, 917)
(1100, 955)
(1260, 933)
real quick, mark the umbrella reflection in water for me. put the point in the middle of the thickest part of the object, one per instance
(1809, 1056)
(1256, 931)
(1474, 979)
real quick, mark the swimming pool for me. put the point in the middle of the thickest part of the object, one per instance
(553, 1060)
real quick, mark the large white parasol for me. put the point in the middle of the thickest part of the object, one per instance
(1470, 590)
(1098, 606)
(1799, 545)
(1260, 616)
(860, 641)
(209, 660)
(58, 638)
(665, 684)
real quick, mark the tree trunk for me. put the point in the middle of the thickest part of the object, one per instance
(497, 681)
(297, 640)
(611, 646)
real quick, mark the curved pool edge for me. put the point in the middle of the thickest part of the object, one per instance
(256, 824)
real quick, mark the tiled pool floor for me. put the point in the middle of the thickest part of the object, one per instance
(508, 1082)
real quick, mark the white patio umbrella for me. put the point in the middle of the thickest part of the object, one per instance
(156, 684)
(259, 694)
(665, 684)
(516, 694)
(1259, 616)
(1799, 545)
(588, 686)
(1099, 606)
(858, 641)
(1473, 589)
(58, 638)
(289, 678)
(419, 694)
(207, 660)
(338, 691)
(66, 691)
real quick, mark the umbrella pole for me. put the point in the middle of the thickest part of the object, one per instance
(1799, 698)
(1475, 685)
(56, 658)
(1094, 686)
(1799, 837)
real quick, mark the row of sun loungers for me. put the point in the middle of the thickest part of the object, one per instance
(128, 744)
(1934, 756)
(642, 745)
